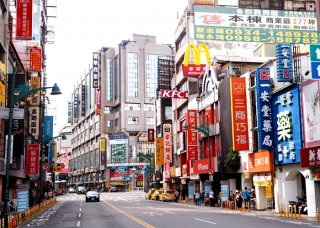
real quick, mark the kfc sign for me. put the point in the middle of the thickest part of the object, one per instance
(173, 94)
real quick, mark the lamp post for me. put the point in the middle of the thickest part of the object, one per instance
(14, 98)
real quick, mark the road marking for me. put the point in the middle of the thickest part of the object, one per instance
(79, 215)
(143, 223)
(78, 224)
(170, 212)
(80, 208)
(205, 221)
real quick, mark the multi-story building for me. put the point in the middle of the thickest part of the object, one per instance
(223, 27)
(113, 107)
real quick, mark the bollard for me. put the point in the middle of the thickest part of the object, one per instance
(288, 211)
(280, 210)
(249, 207)
(291, 211)
(295, 212)
(299, 213)
(318, 215)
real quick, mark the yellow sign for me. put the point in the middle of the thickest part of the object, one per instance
(172, 171)
(246, 175)
(34, 84)
(102, 145)
(269, 194)
(159, 151)
(195, 69)
(2, 85)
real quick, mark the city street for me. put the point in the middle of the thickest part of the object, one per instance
(132, 210)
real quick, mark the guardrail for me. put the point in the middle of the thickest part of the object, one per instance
(23, 216)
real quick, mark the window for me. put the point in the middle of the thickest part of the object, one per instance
(148, 107)
(150, 120)
(132, 107)
(116, 122)
(97, 158)
(109, 83)
(133, 120)
(117, 78)
(110, 123)
(132, 74)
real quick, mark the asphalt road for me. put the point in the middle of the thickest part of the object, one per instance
(123, 210)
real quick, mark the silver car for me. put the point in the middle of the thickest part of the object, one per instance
(92, 196)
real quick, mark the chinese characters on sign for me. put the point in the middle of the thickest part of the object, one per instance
(264, 109)
(69, 112)
(255, 25)
(33, 159)
(195, 69)
(284, 62)
(150, 135)
(75, 106)
(24, 20)
(159, 151)
(98, 102)
(240, 136)
(261, 161)
(192, 135)
(286, 122)
(83, 100)
(95, 68)
(167, 143)
(310, 157)
(34, 121)
(35, 59)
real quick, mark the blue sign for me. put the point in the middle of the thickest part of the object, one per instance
(23, 199)
(284, 62)
(315, 67)
(48, 128)
(264, 114)
(287, 125)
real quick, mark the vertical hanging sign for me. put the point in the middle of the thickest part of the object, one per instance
(239, 114)
(192, 135)
(102, 147)
(98, 102)
(167, 143)
(35, 56)
(24, 20)
(95, 68)
(33, 151)
(159, 151)
(264, 114)
(150, 135)
(69, 112)
(284, 62)
(83, 100)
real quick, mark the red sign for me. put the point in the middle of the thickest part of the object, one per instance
(192, 135)
(164, 93)
(239, 114)
(261, 161)
(150, 135)
(45, 166)
(98, 102)
(33, 153)
(140, 166)
(310, 157)
(201, 166)
(35, 59)
(24, 20)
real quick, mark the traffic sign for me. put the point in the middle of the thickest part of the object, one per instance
(140, 167)
(45, 166)
(315, 60)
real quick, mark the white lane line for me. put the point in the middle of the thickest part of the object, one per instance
(78, 224)
(170, 212)
(79, 215)
(204, 221)
(80, 208)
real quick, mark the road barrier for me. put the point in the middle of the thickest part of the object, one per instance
(22, 217)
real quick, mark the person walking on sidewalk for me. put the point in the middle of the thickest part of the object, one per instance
(197, 198)
(177, 194)
(211, 198)
(246, 197)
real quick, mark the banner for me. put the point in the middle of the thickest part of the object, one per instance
(195, 69)
(261, 161)
(24, 20)
(35, 56)
(159, 151)
(102, 147)
(167, 143)
(150, 135)
(192, 135)
(240, 135)
(33, 151)
(264, 110)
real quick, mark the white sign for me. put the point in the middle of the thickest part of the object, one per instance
(18, 114)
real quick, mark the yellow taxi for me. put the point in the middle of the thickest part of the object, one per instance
(156, 194)
(149, 193)
(167, 195)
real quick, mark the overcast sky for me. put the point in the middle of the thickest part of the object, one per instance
(81, 29)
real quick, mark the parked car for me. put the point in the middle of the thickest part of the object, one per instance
(156, 194)
(113, 189)
(149, 193)
(167, 195)
(72, 190)
(92, 196)
(81, 190)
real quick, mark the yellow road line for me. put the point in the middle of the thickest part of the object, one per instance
(143, 223)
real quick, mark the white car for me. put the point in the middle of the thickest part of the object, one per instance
(71, 190)
(92, 196)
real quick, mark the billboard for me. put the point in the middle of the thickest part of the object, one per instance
(192, 135)
(33, 151)
(254, 25)
(261, 161)
(264, 113)
(95, 70)
(167, 143)
(239, 117)
(98, 102)
(159, 151)
(24, 20)
(197, 68)
(83, 100)
(287, 125)
(310, 98)
(35, 57)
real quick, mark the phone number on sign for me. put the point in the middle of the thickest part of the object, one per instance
(256, 35)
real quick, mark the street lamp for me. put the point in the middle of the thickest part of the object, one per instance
(15, 97)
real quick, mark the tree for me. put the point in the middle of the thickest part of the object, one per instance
(232, 160)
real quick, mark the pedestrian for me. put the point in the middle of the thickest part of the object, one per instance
(177, 194)
(197, 198)
(239, 199)
(220, 199)
(201, 197)
(211, 198)
(206, 200)
(246, 197)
